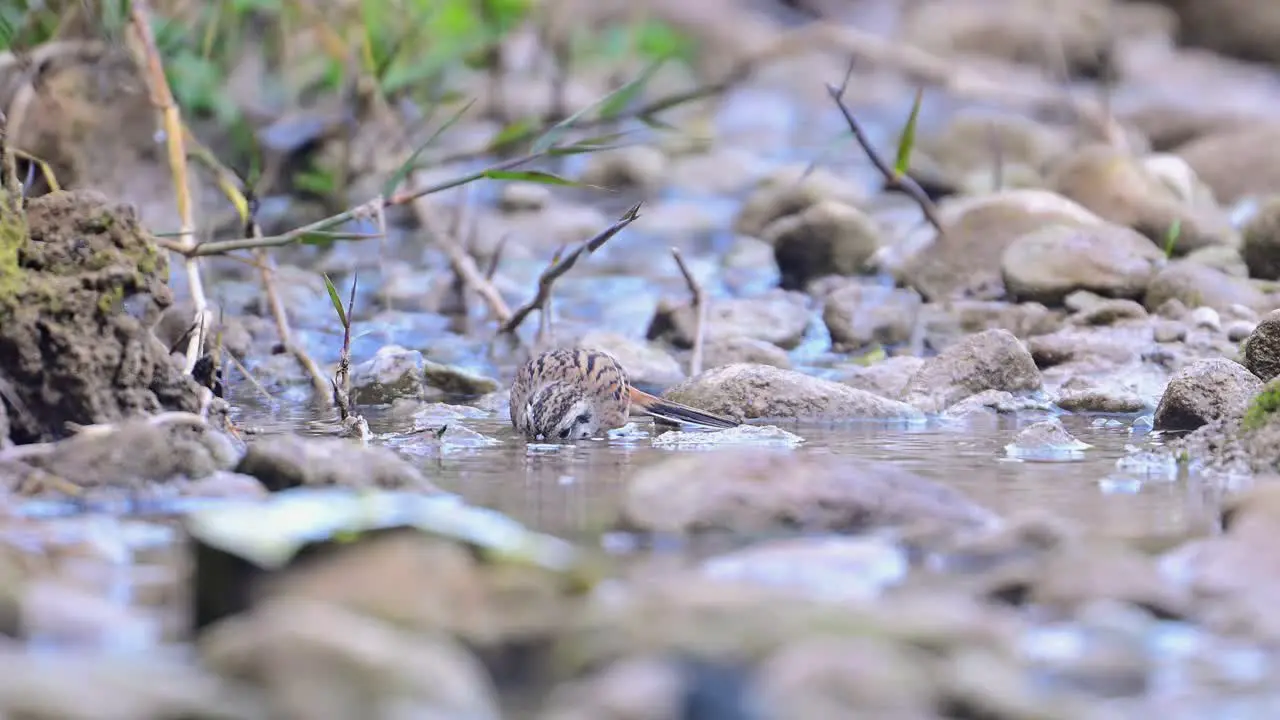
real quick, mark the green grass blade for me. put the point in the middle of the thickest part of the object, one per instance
(907, 142)
(609, 106)
(535, 176)
(335, 299)
(410, 164)
(1171, 237)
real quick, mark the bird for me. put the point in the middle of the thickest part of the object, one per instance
(576, 393)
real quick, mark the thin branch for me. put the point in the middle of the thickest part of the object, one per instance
(368, 209)
(563, 265)
(257, 385)
(699, 307)
(461, 261)
(892, 179)
(171, 119)
(267, 273)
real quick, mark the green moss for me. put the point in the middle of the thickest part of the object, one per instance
(13, 237)
(1263, 406)
(110, 300)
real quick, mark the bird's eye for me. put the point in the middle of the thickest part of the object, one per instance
(583, 419)
(564, 433)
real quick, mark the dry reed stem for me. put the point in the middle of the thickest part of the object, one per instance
(341, 382)
(460, 260)
(171, 120)
(267, 272)
(560, 266)
(699, 307)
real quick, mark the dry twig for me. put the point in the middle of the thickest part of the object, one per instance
(563, 265)
(892, 179)
(699, 307)
(171, 119)
(267, 272)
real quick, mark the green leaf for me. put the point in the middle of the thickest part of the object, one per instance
(337, 301)
(536, 176)
(907, 142)
(590, 145)
(619, 98)
(616, 102)
(513, 133)
(410, 164)
(1171, 236)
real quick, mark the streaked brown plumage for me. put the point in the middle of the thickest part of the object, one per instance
(575, 393)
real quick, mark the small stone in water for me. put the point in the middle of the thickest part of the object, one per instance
(1047, 441)
(769, 435)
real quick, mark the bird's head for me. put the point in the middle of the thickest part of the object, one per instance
(560, 411)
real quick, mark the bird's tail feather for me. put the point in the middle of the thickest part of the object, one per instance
(677, 413)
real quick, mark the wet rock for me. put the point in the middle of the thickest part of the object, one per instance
(1261, 248)
(1220, 257)
(1109, 312)
(1206, 318)
(1104, 346)
(287, 461)
(745, 491)
(966, 261)
(991, 402)
(791, 191)
(636, 167)
(70, 351)
(887, 378)
(990, 360)
(1081, 394)
(178, 319)
(1048, 264)
(779, 317)
(1262, 349)
(980, 683)
(1240, 330)
(1197, 285)
(1237, 161)
(456, 381)
(523, 197)
(1014, 31)
(1245, 29)
(225, 485)
(1045, 440)
(1204, 391)
(828, 678)
(134, 454)
(632, 688)
(1168, 331)
(744, 391)
(859, 315)
(645, 363)
(393, 372)
(114, 684)
(826, 238)
(1079, 573)
(317, 660)
(738, 349)
(832, 568)
(969, 147)
(1021, 319)
(1138, 193)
